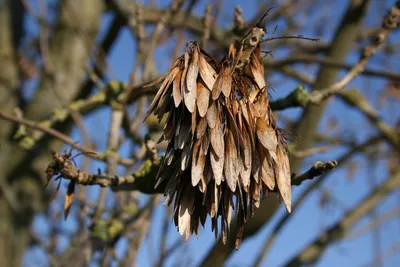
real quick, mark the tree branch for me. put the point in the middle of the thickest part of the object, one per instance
(317, 169)
(311, 188)
(330, 62)
(311, 253)
(60, 136)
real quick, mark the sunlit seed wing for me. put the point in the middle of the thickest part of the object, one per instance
(212, 115)
(203, 98)
(161, 92)
(207, 73)
(217, 165)
(282, 170)
(176, 89)
(193, 71)
(226, 82)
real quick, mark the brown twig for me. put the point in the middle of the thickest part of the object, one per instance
(207, 21)
(390, 23)
(310, 151)
(355, 99)
(142, 180)
(60, 136)
(391, 251)
(317, 169)
(375, 223)
(330, 62)
(299, 37)
(268, 244)
(311, 253)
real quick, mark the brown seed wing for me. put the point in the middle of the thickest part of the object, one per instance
(282, 170)
(245, 173)
(203, 98)
(165, 75)
(217, 140)
(258, 72)
(163, 89)
(176, 89)
(217, 165)
(230, 164)
(226, 82)
(216, 89)
(193, 71)
(266, 135)
(246, 149)
(212, 115)
(189, 97)
(207, 73)
(268, 175)
(198, 163)
(184, 218)
(255, 166)
(201, 128)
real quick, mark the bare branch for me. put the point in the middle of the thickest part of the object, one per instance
(329, 62)
(142, 180)
(311, 253)
(298, 37)
(355, 99)
(390, 23)
(60, 136)
(317, 169)
(309, 152)
(375, 223)
(284, 219)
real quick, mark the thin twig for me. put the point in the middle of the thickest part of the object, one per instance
(315, 249)
(310, 152)
(317, 169)
(283, 220)
(207, 26)
(390, 23)
(355, 99)
(300, 37)
(62, 137)
(375, 223)
(329, 62)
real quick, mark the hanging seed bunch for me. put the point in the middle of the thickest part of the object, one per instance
(224, 148)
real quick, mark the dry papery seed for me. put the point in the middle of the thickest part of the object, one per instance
(223, 141)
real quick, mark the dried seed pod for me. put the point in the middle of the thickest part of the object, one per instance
(222, 137)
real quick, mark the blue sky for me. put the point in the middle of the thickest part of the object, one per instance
(308, 221)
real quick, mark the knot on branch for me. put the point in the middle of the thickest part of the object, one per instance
(114, 94)
(320, 167)
(300, 97)
(391, 20)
